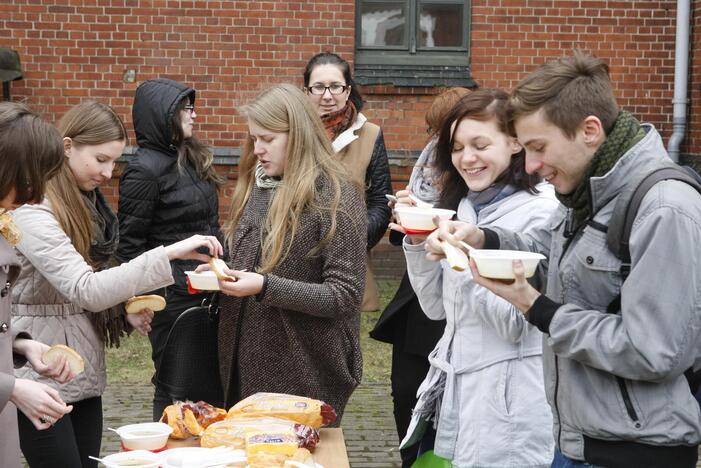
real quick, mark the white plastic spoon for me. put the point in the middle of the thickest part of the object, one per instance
(469, 248)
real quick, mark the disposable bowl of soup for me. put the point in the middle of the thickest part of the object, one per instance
(136, 458)
(420, 220)
(498, 264)
(144, 436)
(203, 281)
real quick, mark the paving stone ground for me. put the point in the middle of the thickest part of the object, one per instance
(368, 425)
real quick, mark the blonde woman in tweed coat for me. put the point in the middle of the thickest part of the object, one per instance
(297, 239)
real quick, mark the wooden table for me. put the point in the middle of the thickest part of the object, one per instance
(330, 451)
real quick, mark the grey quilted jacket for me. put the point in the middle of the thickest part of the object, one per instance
(57, 289)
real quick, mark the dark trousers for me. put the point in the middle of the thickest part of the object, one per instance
(408, 371)
(160, 327)
(68, 442)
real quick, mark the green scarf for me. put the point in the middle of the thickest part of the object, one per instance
(625, 134)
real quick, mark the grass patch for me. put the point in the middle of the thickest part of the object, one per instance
(131, 363)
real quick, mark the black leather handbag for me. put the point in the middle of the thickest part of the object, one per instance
(189, 367)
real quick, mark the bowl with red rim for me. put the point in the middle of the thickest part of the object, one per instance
(417, 220)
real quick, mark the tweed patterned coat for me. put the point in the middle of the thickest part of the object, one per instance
(302, 336)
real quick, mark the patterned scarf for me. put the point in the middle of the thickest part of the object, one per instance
(491, 194)
(265, 181)
(110, 324)
(338, 122)
(422, 181)
(625, 134)
(8, 229)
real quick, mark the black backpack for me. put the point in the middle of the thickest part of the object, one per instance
(624, 212)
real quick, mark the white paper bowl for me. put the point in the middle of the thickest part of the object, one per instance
(204, 281)
(498, 264)
(117, 460)
(420, 219)
(183, 457)
(144, 436)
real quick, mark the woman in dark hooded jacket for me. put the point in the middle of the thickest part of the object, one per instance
(167, 193)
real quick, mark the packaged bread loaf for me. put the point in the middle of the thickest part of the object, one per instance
(307, 411)
(190, 419)
(233, 432)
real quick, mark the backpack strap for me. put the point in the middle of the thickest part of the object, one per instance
(628, 203)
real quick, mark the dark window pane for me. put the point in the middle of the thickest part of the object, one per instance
(383, 24)
(441, 25)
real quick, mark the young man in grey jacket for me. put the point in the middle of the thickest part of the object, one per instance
(614, 379)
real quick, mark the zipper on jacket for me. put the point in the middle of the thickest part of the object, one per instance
(557, 408)
(626, 400)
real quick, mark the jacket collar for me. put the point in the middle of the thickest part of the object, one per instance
(645, 154)
(348, 136)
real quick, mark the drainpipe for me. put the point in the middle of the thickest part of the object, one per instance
(681, 73)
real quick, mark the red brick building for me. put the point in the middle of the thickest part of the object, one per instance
(404, 52)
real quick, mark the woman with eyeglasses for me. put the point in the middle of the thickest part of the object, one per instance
(167, 193)
(359, 144)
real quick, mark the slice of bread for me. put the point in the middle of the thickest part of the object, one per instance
(56, 351)
(217, 265)
(456, 258)
(138, 303)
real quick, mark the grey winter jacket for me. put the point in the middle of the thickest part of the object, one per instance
(619, 377)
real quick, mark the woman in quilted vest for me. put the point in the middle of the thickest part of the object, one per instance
(358, 144)
(30, 152)
(68, 294)
(296, 240)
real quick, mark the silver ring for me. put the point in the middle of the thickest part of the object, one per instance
(46, 419)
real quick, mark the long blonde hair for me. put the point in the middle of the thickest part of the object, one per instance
(88, 123)
(285, 109)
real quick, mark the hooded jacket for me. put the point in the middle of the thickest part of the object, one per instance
(159, 203)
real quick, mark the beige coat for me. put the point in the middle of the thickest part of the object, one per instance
(57, 289)
(9, 439)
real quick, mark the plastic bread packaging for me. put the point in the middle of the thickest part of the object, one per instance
(307, 411)
(233, 432)
(301, 458)
(190, 419)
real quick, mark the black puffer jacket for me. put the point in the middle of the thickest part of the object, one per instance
(378, 183)
(158, 203)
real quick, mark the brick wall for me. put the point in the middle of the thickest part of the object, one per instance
(693, 143)
(229, 50)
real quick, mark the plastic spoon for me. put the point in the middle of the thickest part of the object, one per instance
(420, 203)
(101, 460)
(469, 248)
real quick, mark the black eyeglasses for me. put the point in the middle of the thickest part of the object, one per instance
(189, 108)
(320, 89)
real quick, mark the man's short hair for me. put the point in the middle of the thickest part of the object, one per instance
(569, 90)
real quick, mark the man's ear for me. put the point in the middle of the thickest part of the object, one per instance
(593, 131)
(514, 145)
(67, 146)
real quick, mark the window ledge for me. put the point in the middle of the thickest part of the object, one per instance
(413, 75)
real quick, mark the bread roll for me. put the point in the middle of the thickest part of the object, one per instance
(456, 258)
(217, 265)
(75, 361)
(138, 303)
